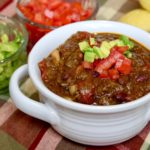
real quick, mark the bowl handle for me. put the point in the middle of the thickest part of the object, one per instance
(27, 105)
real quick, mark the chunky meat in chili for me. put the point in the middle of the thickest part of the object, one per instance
(118, 76)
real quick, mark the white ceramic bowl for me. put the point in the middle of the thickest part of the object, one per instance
(92, 125)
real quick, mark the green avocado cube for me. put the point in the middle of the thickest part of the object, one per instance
(89, 49)
(103, 51)
(84, 45)
(92, 41)
(126, 41)
(128, 54)
(97, 51)
(89, 56)
(116, 43)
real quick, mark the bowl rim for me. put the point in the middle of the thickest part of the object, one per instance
(25, 35)
(38, 25)
(78, 106)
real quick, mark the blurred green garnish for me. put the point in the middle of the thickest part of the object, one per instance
(9, 47)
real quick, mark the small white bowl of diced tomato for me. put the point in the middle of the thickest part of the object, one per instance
(42, 16)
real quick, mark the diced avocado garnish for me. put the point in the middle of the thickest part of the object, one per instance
(103, 51)
(106, 45)
(128, 54)
(92, 41)
(89, 57)
(126, 41)
(116, 43)
(129, 43)
(84, 45)
(89, 49)
(97, 51)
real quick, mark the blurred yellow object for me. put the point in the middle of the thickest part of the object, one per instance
(138, 17)
(145, 4)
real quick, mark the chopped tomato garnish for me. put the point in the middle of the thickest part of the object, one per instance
(87, 65)
(104, 74)
(119, 63)
(96, 62)
(113, 74)
(124, 66)
(120, 49)
(117, 59)
(104, 65)
(86, 91)
(116, 55)
(42, 66)
(108, 62)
